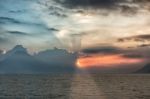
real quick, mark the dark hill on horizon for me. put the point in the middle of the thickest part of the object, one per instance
(145, 69)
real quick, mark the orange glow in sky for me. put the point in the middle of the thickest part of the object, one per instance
(108, 60)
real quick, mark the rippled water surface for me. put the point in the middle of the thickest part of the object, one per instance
(75, 86)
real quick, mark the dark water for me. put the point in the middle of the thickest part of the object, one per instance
(75, 86)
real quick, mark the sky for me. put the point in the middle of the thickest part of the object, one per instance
(99, 29)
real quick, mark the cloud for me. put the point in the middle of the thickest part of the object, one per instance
(144, 45)
(112, 50)
(17, 11)
(107, 4)
(17, 33)
(98, 4)
(4, 20)
(52, 10)
(52, 29)
(132, 55)
(125, 7)
(140, 1)
(137, 38)
(89, 3)
(55, 13)
(102, 50)
(1, 51)
(7, 20)
(2, 40)
(129, 10)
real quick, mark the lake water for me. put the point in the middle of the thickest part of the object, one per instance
(75, 86)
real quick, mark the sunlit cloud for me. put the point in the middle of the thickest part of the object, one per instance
(83, 18)
(106, 61)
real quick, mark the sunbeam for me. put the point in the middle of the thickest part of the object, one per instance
(83, 86)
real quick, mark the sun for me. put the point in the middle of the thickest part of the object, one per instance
(78, 64)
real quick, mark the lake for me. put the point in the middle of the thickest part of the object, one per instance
(75, 86)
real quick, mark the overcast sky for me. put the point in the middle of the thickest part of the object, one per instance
(42, 24)
(120, 26)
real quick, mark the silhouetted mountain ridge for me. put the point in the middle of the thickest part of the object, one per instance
(18, 60)
(57, 57)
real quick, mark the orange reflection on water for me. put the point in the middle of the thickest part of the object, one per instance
(107, 60)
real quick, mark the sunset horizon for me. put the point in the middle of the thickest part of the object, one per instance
(74, 49)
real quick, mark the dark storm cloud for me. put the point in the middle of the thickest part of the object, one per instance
(102, 50)
(99, 3)
(126, 7)
(105, 4)
(138, 38)
(89, 3)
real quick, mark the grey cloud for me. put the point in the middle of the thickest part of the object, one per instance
(8, 20)
(137, 38)
(128, 10)
(53, 10)
(52, 29)
(144, 45)
(17, 33)
(111, 50)
(5, 20)
(1, 51)
(140, 1)
(55, 13)
(17, 11)
(3, 40)
(103, 50)
(132, 55)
